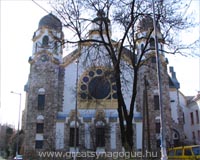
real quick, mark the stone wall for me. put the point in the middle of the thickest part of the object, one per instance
(48, 76)
(152, 116)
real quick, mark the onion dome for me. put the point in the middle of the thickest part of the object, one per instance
(146, 23)
(50, 21)
(100, 16)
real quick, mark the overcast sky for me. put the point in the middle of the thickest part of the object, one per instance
(19, 20)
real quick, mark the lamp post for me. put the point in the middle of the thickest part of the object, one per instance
(76, 111)
(20, 96)
(162, 120)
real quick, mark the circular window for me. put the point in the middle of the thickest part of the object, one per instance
(91, 73)
(99, 87)
(114, 87)
(114, 95)
(44, 58)
(83, 87)
(99, 71)
(85, 79)
(98, 84)
(83, 95)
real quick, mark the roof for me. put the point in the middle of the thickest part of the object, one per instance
(51, 22)
(101, 16)
(197, 97)
(173, 82)
(193, 99)
(146, 23)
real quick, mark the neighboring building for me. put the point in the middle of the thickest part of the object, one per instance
(192, 120)
(49, 116)
(185, 113)
(177, 103)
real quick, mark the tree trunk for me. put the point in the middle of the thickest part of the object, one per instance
(122, 128)
(129, 134)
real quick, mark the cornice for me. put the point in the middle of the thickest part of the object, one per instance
(37, 55)
(42, 31)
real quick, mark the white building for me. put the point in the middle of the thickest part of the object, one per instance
(192, 119)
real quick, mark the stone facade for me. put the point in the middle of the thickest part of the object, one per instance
(147, 101)
(44, 91)
(58, 86)
(148, 92)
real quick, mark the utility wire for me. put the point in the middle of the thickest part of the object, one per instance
(40, 6)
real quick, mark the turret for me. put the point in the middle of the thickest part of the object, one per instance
(144, 29)
(48, 39)
(147, 89)
(45, 86)
(100, 25)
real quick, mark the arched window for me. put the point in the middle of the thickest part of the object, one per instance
(40, 119)
(40, 128)
(157, 127)
(161, 49)
(45, 41)
(36, 47)
(72, 134)
(38, 144)
(55, 47)
(176, 137)
(156, 102)
(152, 43)
(142, 48)
(100, 134)
(41, 99)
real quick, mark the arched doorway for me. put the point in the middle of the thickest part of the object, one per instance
(176, 137)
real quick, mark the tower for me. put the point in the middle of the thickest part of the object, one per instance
(45, 86)
(148, 91)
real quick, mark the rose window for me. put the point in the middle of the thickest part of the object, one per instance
(98, 84)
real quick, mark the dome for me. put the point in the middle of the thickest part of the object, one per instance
(146, 23)
(51, 22)
(100, 16)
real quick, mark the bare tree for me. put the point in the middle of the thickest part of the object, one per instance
(124, 16)
(7, 141)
